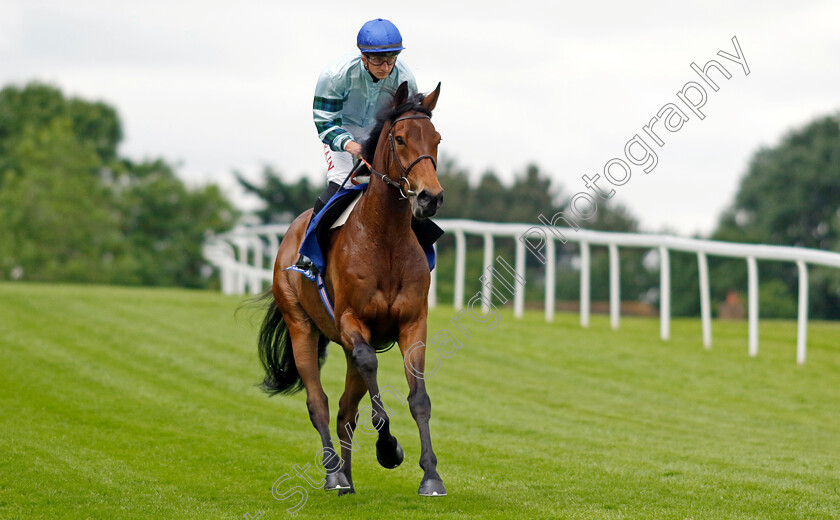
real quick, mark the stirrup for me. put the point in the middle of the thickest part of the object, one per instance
(305, 267)
(304, 262)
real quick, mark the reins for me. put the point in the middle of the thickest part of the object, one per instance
(408, 192)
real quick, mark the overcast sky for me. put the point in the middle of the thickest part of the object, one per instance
(217, 86)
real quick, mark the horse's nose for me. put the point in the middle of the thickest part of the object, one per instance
(430, 203)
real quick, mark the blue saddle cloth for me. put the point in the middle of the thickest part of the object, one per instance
(316, 240)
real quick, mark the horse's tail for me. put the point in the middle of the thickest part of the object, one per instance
(277, 357)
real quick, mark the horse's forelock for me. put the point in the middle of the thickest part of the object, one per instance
(412, 104)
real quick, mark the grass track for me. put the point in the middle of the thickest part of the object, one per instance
(140, 403)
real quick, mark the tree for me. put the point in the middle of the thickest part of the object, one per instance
(36, 105)
(790, 195)
(72, 210)
(458, 194)
(530, 195)
(56, 219)
(282, 202)
(635, 278)
(165, 224)
(489, 201)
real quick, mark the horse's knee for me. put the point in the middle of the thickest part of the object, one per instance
(365, 357)
(420, 405)
(318, 407)
(346, 415)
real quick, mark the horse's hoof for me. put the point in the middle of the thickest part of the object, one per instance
(389, 458)
(349, 491)
(336, 481)
(432, 488)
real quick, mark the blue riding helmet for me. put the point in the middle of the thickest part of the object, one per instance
(379, 36)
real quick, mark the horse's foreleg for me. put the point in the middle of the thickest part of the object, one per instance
(354, 389)
(412, 346)
(389, 453)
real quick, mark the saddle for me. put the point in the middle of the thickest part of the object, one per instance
(316, 241)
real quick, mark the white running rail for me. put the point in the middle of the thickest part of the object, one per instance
(244, 257)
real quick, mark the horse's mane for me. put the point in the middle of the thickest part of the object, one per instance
(412, 104)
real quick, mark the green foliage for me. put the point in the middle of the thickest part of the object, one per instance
(791, 193)
(791, 196)
(775, 299)
(685, 284)
(491, 202)
(458, 194)
(56, 217)
(71, 210)
(532, 194)
(282, 201)
(37, 105)
(165, 224)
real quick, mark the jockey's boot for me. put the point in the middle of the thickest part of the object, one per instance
(304, 262)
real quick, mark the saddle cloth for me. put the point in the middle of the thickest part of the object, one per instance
(334, 214)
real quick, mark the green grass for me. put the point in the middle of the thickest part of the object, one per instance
(140, 403)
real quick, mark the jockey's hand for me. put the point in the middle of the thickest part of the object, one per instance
(354, 148)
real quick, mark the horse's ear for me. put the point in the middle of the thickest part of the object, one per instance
(401, 95)
(430, 100)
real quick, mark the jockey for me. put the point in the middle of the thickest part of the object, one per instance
(349, 94)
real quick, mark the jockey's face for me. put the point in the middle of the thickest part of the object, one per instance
(379, 65)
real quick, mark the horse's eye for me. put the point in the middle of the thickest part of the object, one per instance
(399, 140)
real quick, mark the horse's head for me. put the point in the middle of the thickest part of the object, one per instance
(413, 143)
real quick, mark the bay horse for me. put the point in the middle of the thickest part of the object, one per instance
(377, 277)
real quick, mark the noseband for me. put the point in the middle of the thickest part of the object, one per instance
(408, 192)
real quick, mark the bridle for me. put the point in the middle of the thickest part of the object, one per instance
(407, 192)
